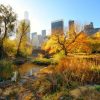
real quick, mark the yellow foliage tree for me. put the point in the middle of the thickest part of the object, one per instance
(58, 43)
(81, 44)
(7, 24)
(24, 47)
(10, 47)
(95, 42)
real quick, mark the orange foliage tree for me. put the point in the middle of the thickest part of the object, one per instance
(61, 42)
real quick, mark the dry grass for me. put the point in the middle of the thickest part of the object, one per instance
(81, 70)
(70, 74)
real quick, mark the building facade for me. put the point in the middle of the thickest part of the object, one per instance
(26, 18)
(43, 33)
(71, 31)
(33, 35)
(37, 40)
(57, 27)
(89, 29)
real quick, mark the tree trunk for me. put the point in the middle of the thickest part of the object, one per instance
(2, 51)
(65, 49)
(66, 52)
(18, 49)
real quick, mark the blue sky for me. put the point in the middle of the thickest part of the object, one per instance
(43, 12)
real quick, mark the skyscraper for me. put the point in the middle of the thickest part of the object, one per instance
(90, 29)
(72, 28)
(57, 27)
(26, 15)
(35, 40)
(26, 18)
(43, 33)
(71, 25)
(34, 34)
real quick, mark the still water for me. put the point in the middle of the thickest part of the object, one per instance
(28, 69)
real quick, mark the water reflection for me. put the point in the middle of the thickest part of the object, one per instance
(28, 69)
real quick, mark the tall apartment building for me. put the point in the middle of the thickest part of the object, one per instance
(26, 18)
(35, 40)
(89, 29)
(71, 28)
(43, 33)
(33, 35)
(57, 27)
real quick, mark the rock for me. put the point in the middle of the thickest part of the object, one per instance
(1, 91)
(85, 92)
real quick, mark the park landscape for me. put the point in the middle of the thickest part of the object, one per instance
(66, 67)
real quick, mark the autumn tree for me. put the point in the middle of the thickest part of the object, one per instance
(74, 28)
(79, 44)
(10, 46)
(23, 29)
(7, 23)
(94, 40)
(56, 43)
(61, 42)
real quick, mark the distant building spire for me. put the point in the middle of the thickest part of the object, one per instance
(26, 18)
(26, 15)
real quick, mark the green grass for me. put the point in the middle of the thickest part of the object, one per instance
(97, 87)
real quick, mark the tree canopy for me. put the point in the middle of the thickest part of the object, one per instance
(7, 24)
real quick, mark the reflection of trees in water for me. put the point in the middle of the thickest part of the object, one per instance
(28, 69)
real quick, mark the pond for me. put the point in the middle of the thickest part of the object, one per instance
(29, 69)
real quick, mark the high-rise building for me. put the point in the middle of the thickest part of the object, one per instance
(43, 33)
(71, 25)
(26, 18)
(71, 29)
(35, 40)
(57, 26)
(89, 29)
(40, 38)
(34, 34)
(26, 15)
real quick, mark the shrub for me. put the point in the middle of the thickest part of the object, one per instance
(79, 70)
(69, 74)
(58, 56)
(10, 47)
(97, 87)
(6, 69)
(43, 61)
(60, 95)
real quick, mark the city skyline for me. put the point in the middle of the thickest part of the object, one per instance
(43, 12)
